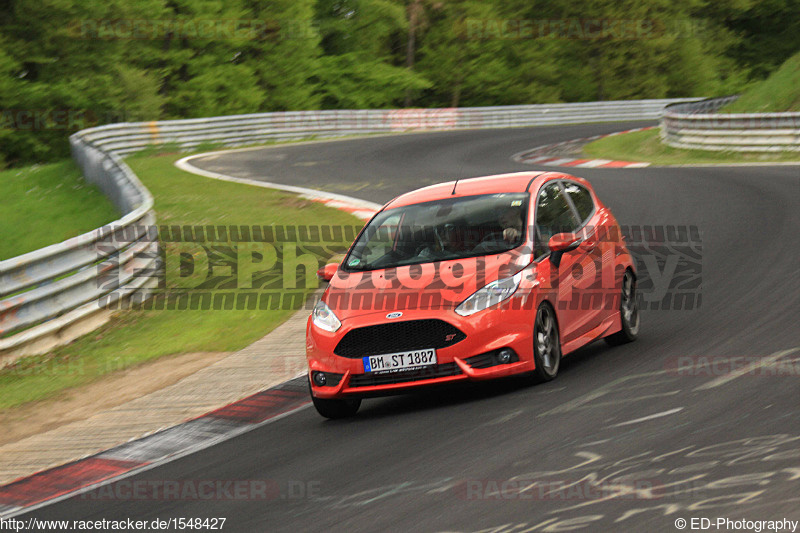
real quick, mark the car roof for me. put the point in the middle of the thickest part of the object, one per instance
(513, 182)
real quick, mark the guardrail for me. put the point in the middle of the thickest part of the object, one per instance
(51, 295)
(124, 139)
(696, 125)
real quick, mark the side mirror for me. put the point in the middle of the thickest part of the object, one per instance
(560, 243)
(327, 272)
(563, 242)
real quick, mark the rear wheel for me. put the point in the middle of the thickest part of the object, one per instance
(546, 344)
(334, 408)
(628, 313)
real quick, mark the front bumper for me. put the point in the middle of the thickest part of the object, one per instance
(509, 325)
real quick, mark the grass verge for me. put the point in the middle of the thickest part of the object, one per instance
(138, 336)
(52, 202)
(647, 146)
(779, 92)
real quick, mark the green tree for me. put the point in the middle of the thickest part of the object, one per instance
(766, 32)
(67, 70)
(363, 63)
(624, 49)
(86, 57)
(284, 56)
(473, 62)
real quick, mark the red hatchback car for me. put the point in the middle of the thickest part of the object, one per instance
(470, 280)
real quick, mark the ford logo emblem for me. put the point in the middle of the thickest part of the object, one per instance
(396, 314)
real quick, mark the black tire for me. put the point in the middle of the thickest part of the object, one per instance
(546, 344)
(335, 408)
(628, 312)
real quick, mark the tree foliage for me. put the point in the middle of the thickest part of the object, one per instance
(67, 64)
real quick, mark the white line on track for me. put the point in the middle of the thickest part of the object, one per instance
(185, 164)
(746, 369)
(608, 388)
(593, 443)
(650, 417)
(561, 161)
(594, 163)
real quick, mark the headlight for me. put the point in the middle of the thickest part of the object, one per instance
(323, 317)
(492, 294)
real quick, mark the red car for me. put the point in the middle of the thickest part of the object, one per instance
(470, 280)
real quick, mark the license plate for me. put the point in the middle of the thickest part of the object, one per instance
(399, 361)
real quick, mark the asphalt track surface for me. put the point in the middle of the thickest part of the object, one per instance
(621, 441)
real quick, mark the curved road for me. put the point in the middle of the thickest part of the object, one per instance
(628, 438)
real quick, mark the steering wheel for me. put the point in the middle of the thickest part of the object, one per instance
(492, 237)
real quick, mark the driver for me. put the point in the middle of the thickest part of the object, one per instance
(511, 220)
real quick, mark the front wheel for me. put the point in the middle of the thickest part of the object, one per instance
(332, 408)
(546, 344)
(628, 313)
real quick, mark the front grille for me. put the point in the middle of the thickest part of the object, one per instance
(438, 371)
(398, 337)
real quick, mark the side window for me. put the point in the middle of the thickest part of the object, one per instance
(553, 215)
(581, 198)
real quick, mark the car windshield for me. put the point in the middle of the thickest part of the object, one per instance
(452, 228)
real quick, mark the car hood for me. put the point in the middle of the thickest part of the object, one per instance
(438, 285)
